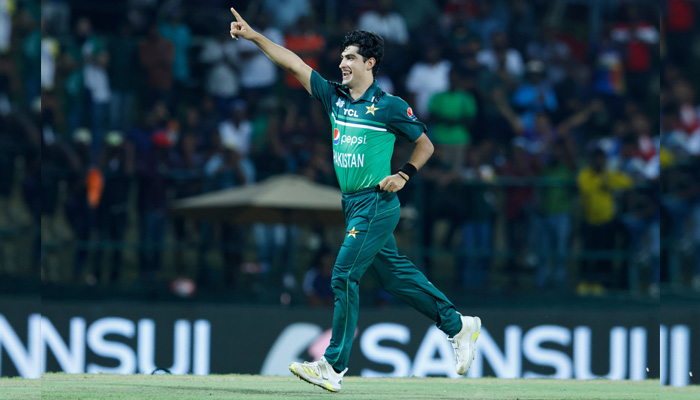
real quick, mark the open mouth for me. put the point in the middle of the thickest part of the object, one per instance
(346, 75)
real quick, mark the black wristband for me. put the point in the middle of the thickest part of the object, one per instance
(409, 170)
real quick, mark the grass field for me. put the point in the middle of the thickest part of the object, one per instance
(167, 387)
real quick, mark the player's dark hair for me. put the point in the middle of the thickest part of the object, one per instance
(369, 45)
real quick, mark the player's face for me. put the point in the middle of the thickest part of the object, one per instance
(353, 67)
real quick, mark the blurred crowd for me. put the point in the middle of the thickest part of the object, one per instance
(547, 155)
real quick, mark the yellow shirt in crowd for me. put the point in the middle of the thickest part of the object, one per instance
(597, 193)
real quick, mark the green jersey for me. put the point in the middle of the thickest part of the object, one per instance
(364, 131)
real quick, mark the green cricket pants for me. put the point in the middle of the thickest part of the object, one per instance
(371, 217)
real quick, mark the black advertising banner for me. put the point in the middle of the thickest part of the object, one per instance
(128, 338)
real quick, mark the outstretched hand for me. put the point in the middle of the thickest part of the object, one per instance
(392, 183)
(240, 28)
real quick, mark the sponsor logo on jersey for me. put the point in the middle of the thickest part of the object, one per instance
(352, 139)
(410, 113)
(336, 136)
(352, 113)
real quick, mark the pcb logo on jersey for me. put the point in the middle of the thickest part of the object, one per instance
(336, 136)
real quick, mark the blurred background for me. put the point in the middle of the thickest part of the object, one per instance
(563, 170)
(139, 103)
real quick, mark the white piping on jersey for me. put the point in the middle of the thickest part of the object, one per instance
(352, 125)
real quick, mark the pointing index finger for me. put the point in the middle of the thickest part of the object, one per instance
(235, 14)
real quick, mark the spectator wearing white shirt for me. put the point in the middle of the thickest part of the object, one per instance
(555, 54)
(222, 81)
(391, 26)
(426, 78)
(513, 60)
(235, 133)
(286, 13)
(258, 73)
(50, 49)
(386, 23)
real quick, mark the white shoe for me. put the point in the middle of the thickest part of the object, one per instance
(464, 343)
(319, 373)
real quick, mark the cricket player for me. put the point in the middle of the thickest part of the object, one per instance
(365, 123)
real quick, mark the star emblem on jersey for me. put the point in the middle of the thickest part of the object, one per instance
(340, 103)
(371, 109)
(352, 232)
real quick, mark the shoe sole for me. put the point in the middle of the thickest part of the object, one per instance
(476, 323)
(325, 385)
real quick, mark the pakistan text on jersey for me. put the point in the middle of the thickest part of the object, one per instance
(346, 160)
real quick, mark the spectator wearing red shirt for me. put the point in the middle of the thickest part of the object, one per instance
(679, 23)
(640, 41)
(306, 42)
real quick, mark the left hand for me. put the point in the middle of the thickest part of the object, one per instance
(392, 183)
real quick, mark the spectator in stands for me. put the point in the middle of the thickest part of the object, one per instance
(117, 166)
(426, 78)
(385, 22)
(554, 53)
(317, 280)
(187, 177)
(287, 13)
(522, 27)
(681, 200)
(305, 41)
(94, 59)
(152, 170)
(416, 13)
(501, 56)
(679, 20)
(223, 169)
(477, 228)
(174, 30)
(157, 56)
(534, 95)
(491, 17)
(50, 50)
(556, 200)
(97, 84)
(597, 186)
(608, 79)
(258, 73)
(122, 50)
(77, 209)
(641, 45)
(318, 168)
(519, 207)
(222, 81)
(451, 114)
(642, 218)
(235, 134)
(31, 53)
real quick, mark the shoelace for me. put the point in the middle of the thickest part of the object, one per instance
(316, 367)
(455, 345)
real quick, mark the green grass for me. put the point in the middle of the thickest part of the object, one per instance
(167, 387)
(19, 388)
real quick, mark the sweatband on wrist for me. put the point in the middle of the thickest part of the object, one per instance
(409, 170)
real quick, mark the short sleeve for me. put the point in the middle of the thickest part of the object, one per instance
(321, 89)
(402, 121)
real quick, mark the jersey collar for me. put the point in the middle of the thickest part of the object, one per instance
(371, 95)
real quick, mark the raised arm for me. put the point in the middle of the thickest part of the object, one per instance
(278, 54)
